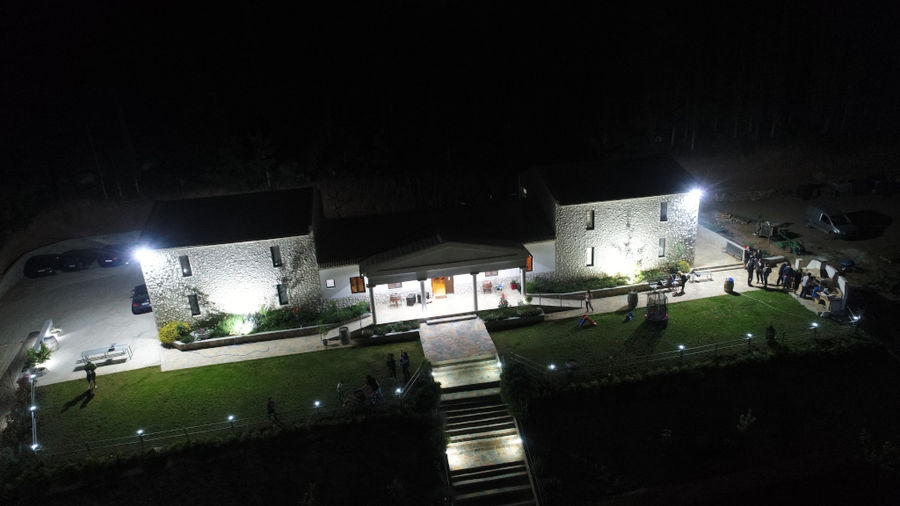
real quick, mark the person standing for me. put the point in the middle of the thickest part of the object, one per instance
(90, 370)
(751, 264)
(587, 301)
(804, 283)
(270, 410)
(684, 280)
(404, 365)
(787, 282)
(766, 272)
(760, 270)
(375, 387)
(392, 365)
(798, 276)
(340, 392)
(781, 270)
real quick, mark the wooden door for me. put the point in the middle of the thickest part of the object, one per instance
(438, 288)
(449, 284)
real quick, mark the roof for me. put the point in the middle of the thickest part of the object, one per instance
(229, 219)
(349, 240)
(437, 256)
(615, 179)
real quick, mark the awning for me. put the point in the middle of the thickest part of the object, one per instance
(436, 257)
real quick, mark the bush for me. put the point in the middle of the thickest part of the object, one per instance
(509, 312)
(541, 284)
(387, 328)
(306, 316)
(174, 331)
(36, 357)
(518, 386)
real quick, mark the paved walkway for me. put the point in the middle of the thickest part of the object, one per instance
(172, 359)
(456, 339)
(693, 291)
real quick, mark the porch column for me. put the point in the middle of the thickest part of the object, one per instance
(475, 290)
(522, 270)
(372, 303)
(422, 288)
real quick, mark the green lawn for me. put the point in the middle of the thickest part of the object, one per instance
(691, 323)
(152, 400)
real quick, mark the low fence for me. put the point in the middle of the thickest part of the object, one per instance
(630, 364)
(141, 441)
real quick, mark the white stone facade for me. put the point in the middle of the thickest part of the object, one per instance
(238, 278)
(625, 234)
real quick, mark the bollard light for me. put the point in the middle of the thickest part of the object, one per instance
(398, 391)
(140, 432)
(32, 408)
(552, 367)
(814, 324)
(230, 418)
(749, 335)
(681, 347)
(317, 404)
(34, 447)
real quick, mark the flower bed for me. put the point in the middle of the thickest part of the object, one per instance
(511, 317)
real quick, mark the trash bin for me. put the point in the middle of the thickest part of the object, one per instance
(632, 299)
(345, 335)
(411, 299)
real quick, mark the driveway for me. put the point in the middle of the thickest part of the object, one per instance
(93, 309)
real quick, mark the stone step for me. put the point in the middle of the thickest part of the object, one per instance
(488, 470)
(495, 496)
(469, 454)
(483, 435)
(454, 399)
(474, 412)
(462, 363)
(450, 319)
(475, 424)
(470, 485)
(476, 385)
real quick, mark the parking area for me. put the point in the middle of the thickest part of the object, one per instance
(92, 307)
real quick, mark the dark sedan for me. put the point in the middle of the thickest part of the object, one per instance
(78, 259)
(112, 255)
(140, 300)
(42, 265)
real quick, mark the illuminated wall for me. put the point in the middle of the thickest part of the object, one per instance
(625, 234)
(231, 278)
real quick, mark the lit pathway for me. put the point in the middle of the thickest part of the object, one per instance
(693, 291)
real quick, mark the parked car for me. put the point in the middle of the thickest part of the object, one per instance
(830, 220)
(112, 255)
(140, 300)
(42, 265)
(77, 259)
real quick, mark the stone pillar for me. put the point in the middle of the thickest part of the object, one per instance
(422, 288)
(522, 270)
(475, 290)
(372, 303)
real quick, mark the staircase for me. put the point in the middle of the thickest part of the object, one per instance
(485, 456)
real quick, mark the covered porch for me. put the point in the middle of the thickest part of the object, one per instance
(437, 278)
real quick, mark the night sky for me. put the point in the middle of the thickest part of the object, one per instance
(220, 96)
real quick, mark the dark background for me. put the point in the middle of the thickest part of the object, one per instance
(460, 94)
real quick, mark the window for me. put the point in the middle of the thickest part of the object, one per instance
(195, 307)
(185, 266)
(395, 285)
(589, 221)
(663, 211)
(589, 256)
(357, 284)
(276, 256)
(529, 264)
(490, 273)
(329, 283)
(662, 247)
(282, 294)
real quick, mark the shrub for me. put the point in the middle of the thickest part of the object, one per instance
(509, 312)
(387, 328)
(36, 357)
(541, 284)
(173, 331)
(518, 386)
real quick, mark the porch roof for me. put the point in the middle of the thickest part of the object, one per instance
(437, 256)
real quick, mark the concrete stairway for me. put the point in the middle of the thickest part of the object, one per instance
(484, 453)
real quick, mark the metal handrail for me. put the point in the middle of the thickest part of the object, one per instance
(536, 485)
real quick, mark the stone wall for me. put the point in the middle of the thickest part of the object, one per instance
(231, 278)
(625, 235)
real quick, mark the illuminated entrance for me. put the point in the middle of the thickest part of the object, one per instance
(437, 277)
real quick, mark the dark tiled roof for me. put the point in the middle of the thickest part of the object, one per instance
(615, 179)
(349, 240)
(229, 219)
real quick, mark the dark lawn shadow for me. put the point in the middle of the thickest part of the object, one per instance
(84, 396)
(87, 399)
(645, 338)
(735, 293)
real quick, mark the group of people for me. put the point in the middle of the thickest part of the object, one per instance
(787, 278)
(404, 365)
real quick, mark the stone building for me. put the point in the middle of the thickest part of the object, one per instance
(240, 253)
(618, 216)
